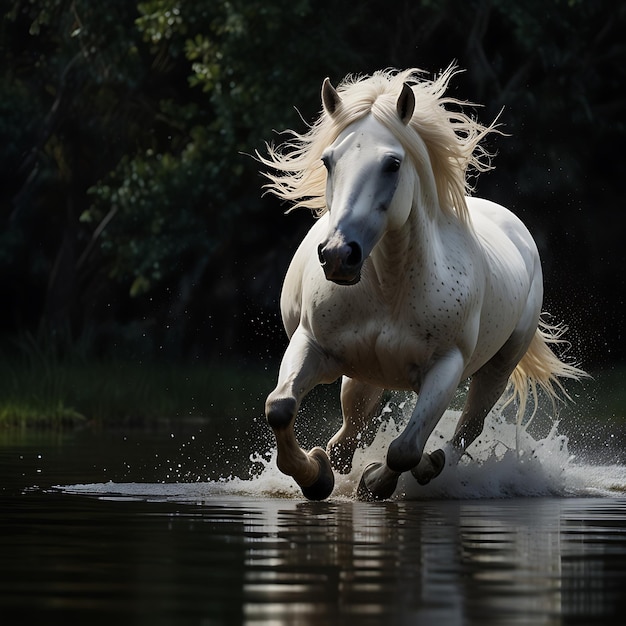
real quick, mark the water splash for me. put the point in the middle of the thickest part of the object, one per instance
(506, 461)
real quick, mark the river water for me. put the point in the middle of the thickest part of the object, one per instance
(192, 524)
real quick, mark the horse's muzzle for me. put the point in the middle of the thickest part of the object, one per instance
(341, 263)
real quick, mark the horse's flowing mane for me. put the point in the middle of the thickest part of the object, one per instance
(445, 141)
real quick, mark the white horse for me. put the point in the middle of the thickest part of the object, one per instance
(403, 282)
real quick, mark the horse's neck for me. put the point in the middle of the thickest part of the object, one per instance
(405, 254)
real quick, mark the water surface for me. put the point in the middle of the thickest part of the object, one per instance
(142, 528)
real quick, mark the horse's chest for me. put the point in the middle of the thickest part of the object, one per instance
(373, 344)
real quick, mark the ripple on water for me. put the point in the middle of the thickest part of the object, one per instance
(505, 462)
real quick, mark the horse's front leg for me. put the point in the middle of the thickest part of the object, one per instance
(486, 387)
(435, 392)
(304, 365)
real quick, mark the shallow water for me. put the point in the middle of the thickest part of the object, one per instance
(157, 528)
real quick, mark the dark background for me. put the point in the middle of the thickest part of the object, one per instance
(132, 222)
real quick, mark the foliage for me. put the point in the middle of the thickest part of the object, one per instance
(181, 196)
(129, 205)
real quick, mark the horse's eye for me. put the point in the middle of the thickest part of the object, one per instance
(391, 164)
(326, 161)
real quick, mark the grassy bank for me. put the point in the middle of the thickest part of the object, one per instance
(38, 391)
(45, 394)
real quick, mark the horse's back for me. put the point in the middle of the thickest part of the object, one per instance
(503, 235)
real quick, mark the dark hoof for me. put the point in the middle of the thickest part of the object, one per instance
(371, 489)
(430, 466)
(325, 483)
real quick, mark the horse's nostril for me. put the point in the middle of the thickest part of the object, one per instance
(320, 254)
(355, 256)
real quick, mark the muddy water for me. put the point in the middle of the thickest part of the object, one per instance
(142, 528)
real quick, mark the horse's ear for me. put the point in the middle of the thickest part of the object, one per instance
(406, 104)
(330, 98)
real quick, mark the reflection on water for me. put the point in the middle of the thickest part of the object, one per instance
(522, 561)
(504, 562)
(101, 549)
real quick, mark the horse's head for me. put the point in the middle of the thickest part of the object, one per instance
(364, 170)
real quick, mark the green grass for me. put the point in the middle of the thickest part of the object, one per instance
(38, 393)
(40, 390)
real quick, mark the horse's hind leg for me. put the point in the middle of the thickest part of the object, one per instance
(303, 366)
(359, 403)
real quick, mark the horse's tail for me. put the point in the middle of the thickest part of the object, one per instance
(541, 368)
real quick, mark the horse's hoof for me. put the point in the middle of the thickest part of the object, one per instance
(377, 489)
(325, 483)
(429, 467)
